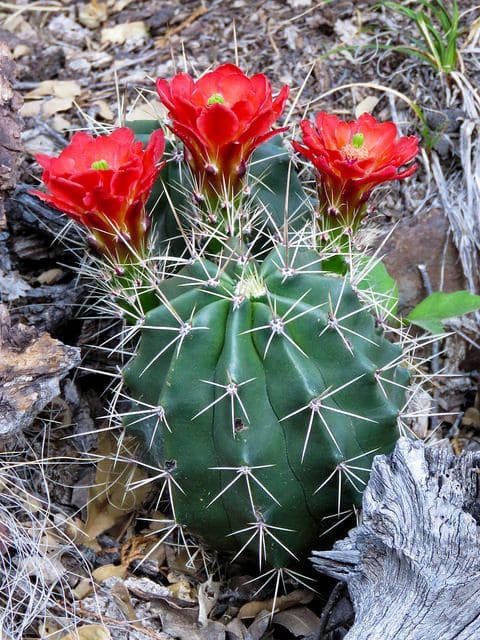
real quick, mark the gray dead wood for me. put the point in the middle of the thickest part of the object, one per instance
(413, 566)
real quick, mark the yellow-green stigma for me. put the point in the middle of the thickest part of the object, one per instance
(100, 165)
(357, 140)
(251, 286)
(216, 98)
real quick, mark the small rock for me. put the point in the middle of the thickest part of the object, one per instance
(50, 276)
(67, 30)
(423, 239)
(300, 4)
(49, 570)
(12, 286)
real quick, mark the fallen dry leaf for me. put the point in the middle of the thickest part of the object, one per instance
(85, 587)
(16, 23)
(119, 5)
(21, 50)
(92, 15)
(89, 632)
(181, 589)
(115, 493)
(49, 570)
(50, 276)
(300, 621)
(124, 32)
(104, 110)
(45, 108)
(56, 88)
(148, 110)
(61, 96)
(252, 609)
(367, 105)
(471, 418)
(60, 124)
(107, 571)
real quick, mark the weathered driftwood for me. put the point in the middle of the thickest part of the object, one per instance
(413, 566)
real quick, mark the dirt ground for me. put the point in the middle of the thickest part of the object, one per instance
(67, 510)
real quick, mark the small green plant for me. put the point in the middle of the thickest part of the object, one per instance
(438, 31)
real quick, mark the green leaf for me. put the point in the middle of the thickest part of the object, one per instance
(437, 307)
(432, 326)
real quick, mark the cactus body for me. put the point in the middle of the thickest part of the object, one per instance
(263, 392)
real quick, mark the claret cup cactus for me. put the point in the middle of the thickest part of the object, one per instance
(263, 380)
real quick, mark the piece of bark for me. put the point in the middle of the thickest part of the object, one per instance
(413, 566)
(27, 211)
(32, 364)
(10, 127)
(47, 308)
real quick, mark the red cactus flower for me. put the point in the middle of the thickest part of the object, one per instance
(104, 183)
(351, 159)
(221, 119)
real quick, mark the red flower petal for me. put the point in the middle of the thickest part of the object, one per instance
(217, 125)
(279, 103)
(214, 82)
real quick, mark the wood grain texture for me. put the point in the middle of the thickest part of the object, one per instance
(10, 126)
(413, 566)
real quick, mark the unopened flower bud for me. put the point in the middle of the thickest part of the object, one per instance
(211, 169)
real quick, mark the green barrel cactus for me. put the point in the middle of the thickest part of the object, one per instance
(262, 391)
(263, 383)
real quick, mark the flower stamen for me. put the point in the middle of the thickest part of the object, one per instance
(354, 151)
